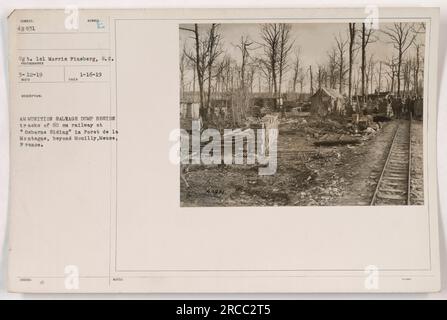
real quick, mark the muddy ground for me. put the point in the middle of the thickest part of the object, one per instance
(307, 175)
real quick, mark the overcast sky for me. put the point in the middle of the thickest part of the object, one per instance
(314, 40)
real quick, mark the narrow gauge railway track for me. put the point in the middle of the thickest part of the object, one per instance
(393, 187)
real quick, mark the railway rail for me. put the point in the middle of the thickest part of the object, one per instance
(393, 186)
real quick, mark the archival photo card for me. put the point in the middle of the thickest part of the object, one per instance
(223, 150)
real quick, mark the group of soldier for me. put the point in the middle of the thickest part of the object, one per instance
(399, 107)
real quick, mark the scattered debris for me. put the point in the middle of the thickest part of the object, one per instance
(320, 162)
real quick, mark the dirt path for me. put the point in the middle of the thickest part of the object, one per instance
(363, 165)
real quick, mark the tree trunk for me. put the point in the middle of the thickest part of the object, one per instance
(340, 88)
(311, 81)
(194, 83)
(416, 75)
(351, 58)
(199, 73)
(380, 77)
(363, 60)
(399, 65)
(210, 113)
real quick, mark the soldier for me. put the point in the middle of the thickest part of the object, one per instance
(408, 100)
(394, 106)
(418, 107)
(389, 109)
(399, 107)
(411, 104)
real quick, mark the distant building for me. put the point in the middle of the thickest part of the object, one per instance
(327, 101)
(378, 95)
(265, 102)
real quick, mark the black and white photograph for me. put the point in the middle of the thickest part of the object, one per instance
(302, 114)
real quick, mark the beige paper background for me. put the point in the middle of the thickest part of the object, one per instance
(125, 228)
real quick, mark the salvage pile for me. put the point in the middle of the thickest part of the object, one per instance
(331, 132)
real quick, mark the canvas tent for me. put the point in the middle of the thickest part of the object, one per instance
(327, 101)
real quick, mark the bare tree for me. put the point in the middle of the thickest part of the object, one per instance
(246, 76)
(402, 37)
(265, 67)
(311, 80)
(341, 48)
(214, 51)
(285, 46)
(407, 69)
(277, 46)
(244, 47)
(352, 38)
(418, 29)
(296, 69)
(379, 79)
(332, 67)
(199, 57)
(206, 51)
(271, 35)
(366, 38)
(191, 64)
(183, 66)
(417, 67)
(221, 74)
(370, 74)
(301, 78)
(391, 73)
(321, 75)
(252, 68)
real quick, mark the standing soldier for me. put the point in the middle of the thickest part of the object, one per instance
(395, 106)
(411, 107)
(400, 108)
(389, 109)
(407, 105)
(418, 108)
